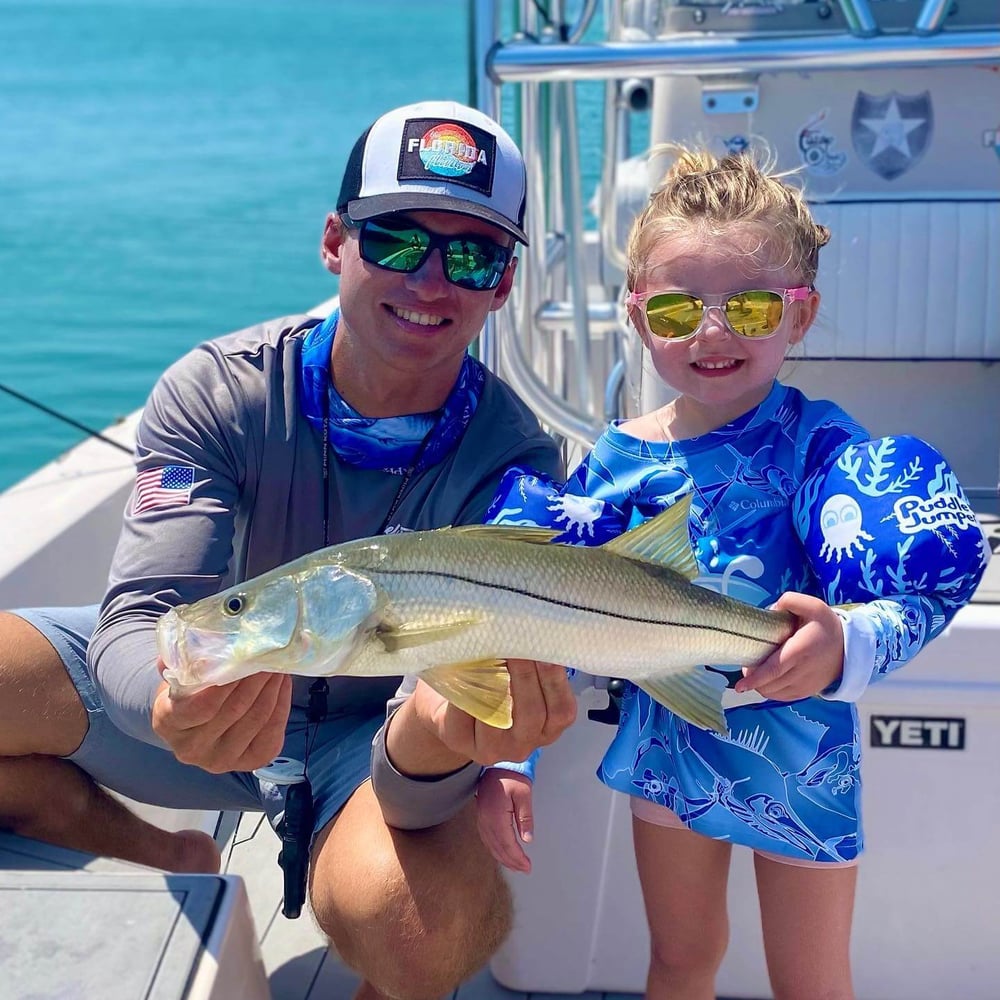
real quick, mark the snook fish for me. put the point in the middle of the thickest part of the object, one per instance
(453, 604)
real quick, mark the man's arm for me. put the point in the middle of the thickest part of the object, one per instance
(176, 543)
(427, 757)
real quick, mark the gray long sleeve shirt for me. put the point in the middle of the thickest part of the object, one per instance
(230, 409)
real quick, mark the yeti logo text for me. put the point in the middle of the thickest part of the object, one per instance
(918, 514)
(913, 733)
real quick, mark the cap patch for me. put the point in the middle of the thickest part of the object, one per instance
(459, 153)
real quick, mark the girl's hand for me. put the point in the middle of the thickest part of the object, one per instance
(809, 660)
(503, 811)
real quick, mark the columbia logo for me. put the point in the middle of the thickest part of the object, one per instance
(766, 503)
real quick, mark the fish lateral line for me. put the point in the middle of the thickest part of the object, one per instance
(556, 602)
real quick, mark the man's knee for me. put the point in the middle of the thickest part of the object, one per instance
(423, 949)
(40, 709)
(449, 953)
(419, 911)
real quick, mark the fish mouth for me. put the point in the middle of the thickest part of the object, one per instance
(181, 671)
(169, 631)
(192, 658)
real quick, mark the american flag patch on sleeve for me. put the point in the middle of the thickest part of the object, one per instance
(165, 486)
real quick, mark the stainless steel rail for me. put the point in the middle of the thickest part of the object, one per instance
(521, 60)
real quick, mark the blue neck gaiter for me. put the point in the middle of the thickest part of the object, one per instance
(392, 444)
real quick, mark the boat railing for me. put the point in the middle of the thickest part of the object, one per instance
(561, 340)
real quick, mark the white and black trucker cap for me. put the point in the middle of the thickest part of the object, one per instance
(439, 156)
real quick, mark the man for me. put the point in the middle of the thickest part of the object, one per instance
(257, 448)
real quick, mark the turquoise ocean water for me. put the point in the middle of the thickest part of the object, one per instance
(165, 170)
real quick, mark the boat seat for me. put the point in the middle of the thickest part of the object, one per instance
(910, 280)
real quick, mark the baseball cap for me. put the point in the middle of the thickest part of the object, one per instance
(439, 156)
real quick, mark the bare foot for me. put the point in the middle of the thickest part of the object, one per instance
(196, 852)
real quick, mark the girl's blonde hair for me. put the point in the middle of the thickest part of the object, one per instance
(704, 192)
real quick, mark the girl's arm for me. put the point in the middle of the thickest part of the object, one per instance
(890, 534)
(503, 812)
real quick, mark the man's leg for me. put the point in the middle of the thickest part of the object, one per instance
(42, 719)
(414, 912)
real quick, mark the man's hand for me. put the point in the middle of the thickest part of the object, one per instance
(808, 661)
(232, 727)
(430, 736)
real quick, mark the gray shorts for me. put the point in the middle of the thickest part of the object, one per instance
(339, 754)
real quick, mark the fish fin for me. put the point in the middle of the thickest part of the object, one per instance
(479, 687)
(694, 694)
(394, 637)
(662, 540)
(508, 532)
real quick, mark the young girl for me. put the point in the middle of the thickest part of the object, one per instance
(792, 506)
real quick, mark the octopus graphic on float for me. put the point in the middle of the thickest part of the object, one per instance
(840, 522)
(870, 469)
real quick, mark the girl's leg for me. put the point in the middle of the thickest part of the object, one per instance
(683, 877)
(806, 915)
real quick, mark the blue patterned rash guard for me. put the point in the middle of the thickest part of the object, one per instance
(792, 496)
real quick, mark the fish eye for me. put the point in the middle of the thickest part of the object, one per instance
(232, 606)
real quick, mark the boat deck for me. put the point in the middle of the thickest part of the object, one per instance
(299, 964)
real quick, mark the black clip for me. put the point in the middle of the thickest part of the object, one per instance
(296, 835)
(611, 713)
(296, 827)
(318, 706)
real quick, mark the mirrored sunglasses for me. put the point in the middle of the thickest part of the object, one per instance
(401, 245)
(754, 314)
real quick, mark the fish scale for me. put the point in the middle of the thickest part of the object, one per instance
(568, 604)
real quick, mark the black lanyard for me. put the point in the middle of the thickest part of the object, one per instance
(401, 492)
(296, 828)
